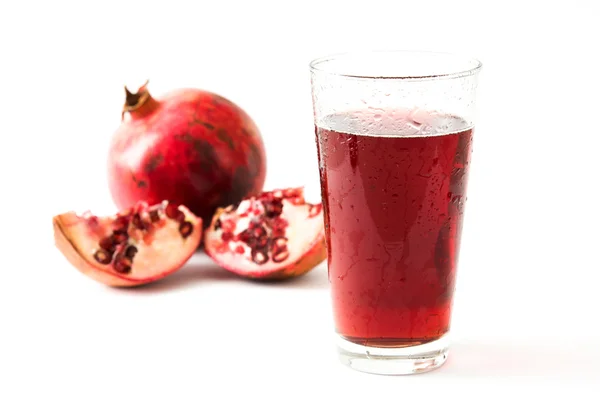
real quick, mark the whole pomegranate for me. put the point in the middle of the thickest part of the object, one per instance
(190, 147)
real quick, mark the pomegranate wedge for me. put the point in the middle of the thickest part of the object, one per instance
(139, 245)
(275, 235)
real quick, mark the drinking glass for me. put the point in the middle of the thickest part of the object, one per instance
(394, 132)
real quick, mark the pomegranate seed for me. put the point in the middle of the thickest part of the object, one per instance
(240, 249)
(279, 223)
(262, 242)
(130, 252)
(276, 212)
(314, 210)
(172, 210)
(244, 235)
(121, 223)
(102, 256)
(279, 242)
(279, 248)
(119, 236)
(123, 265)
(259, 232)
(281, 256)
(259, 257)
(107, 244)
(278, 232)
(226, 236)
(186, 228)
(273, 209)
(138, 223)
(254, 224)
(92, 220)
(154, 216)
(268, 196)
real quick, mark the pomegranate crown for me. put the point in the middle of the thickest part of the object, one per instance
(133, 101)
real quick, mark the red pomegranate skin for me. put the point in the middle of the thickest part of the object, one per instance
(191, 147)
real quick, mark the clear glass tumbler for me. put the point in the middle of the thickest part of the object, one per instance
(394, 132)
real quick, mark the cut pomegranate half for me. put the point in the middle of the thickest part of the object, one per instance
(275, 235)
(137, 246)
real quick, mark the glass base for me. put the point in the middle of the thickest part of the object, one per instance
(394, 360)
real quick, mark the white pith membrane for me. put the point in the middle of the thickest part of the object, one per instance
(161, 247)
(303, 231)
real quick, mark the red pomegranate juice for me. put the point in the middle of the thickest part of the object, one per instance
(393, 189)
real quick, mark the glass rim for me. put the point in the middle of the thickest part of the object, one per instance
(316, 65)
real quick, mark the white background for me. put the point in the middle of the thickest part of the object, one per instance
(526, 310)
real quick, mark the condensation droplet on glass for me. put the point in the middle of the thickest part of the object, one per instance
(414, 124)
